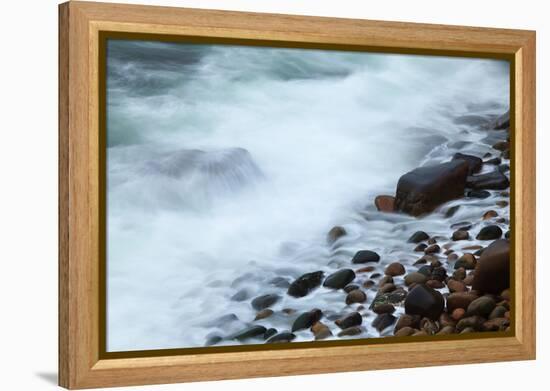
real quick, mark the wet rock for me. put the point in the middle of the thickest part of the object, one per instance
(241, 295)
(439, 273)
(266, 313)
(469, 279)
(474, 322)
(501, 145)
(395, 297)
(279, 282)
(365, 256)
(474, 163)
(395, 269)
(433, 249)
(429, 326)
(356, 296)
(489, 214)
(350, 287)
(494, 161)
(425, 270)
(502, 122)
(504, 168)
(264, 301)
(385, 203)
(247, 333)
(213, 340)
(456, 286)
(432, 240)
(466, 261)
(424, 189)
(339, 279)
(459, 300)
(404, 332)
(283, 337)
(321, 331)
(221, 321)
(335, 233)
(350, 331)
(383, 321)
(451, 211)
(501, 203)
(407, 320)
(388, 287)
(366, 269)
(307, 319)
(418, 236)
(446, 330)
(383, 308)
(495, 324)
(435, 284)
(492, 274)
(494, 180)
(446, 320)
(415, 278)
(489, 232)
(270, 333)
(498, 312)
(458, 314)
(350, 320)
(305, 284)
(421, 247)
(462, 225)
(460, 235)
(424, 301)
(481, 194)
(481, 306)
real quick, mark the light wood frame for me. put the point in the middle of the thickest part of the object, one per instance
(80, 24)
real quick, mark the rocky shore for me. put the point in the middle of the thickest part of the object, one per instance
(450, 281)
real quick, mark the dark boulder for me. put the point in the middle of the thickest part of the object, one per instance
(494, 180)
(305, 283)
(424, 189)
(492, 273)
(474, 163)
(339, 279)
(353, 319)
(424, 301)
(307, 319)
(249, 332)
(383, 321)
(265, 301)
(489, 232)
(365, 256)
(418, 236)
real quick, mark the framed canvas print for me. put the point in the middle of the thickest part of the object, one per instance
(247, 195)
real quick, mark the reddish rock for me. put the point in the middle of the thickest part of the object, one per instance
(385, 203)
(456, 286)
(395, 269)
(459, 300)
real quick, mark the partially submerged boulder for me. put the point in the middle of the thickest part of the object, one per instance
(494, 180)
(425, 188)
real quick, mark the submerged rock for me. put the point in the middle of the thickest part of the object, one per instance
(265, 301)
(249, 332)
(424, 189)
(365, 256)
(335, 233)
(418, 236)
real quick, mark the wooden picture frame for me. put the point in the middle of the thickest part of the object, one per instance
(81, 362)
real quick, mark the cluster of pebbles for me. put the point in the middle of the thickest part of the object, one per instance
(459, 282)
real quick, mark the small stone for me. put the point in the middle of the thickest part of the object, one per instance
(279, 282)
(369, 284)
(429, 326)
(395, 269)
(385, 280)
(270, 333)
(339, 279)
(452, 257)
(446, 330)
(288, 311)
(446, 320)
(335, 233)
(366, 269)
(467, 261)
(498, 312)
(459, 300)
(489, 232)
(350, 287)
(265, 313)
(385, 203)
(388, 287)
(481, 306)
(265, 301)
(350, 331)
(404, 332)
(281, 338)
(501, 146)
(356, 296)
(353, 319)
(432, 240)
(384, 308)
(469, 280)
(458, 313)
(494, 161)
(434, 248)
(452, 211)
(474, 322)
(459, 274)
(241, 295)
(365, 256)
(321, 331)
(307, 319)
(421, 247)
(418, 236)
(213, 340)
(247, 333)
(435, 284)
(460, 235)
(383, 321)
(502, 203)
(407, 320)
(489, 215)
(481, 194)
(420, 333)
(415, 278)
(496, 324)
(456, 286)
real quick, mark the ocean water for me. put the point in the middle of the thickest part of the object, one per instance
(228, 165)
